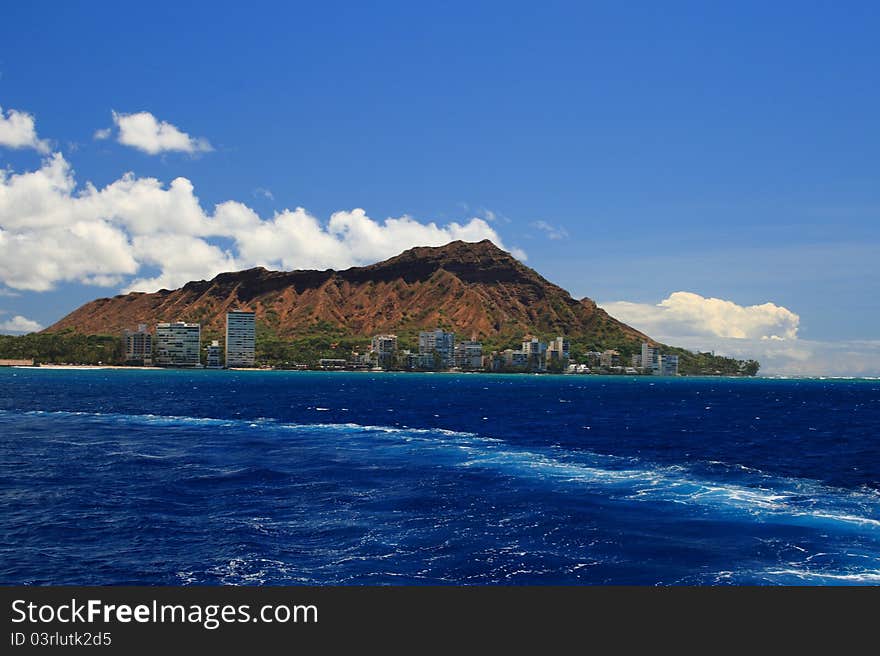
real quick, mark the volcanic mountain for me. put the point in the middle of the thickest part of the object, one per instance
(475, 289)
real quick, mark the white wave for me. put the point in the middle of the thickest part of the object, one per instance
(779, 499)
(871, 576)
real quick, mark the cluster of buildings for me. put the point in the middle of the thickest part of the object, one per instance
(650, 361)
(534, 355)
(438, 351)
(179, 344)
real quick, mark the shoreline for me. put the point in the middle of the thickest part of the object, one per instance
(99, 367)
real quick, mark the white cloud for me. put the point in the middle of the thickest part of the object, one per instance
(144, 235)
(766, 332)
(103, 133)
(552, 232)
(519, 254)
(180, 258)
(19, 324)
(689, 314)
(262, 192)
(18, 130)
(145, 132)
(794, 357)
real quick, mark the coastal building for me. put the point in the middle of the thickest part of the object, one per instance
(384, 350)
(332, 363)
(515, 359)
(177, 344)
(669, 365)
(469, 355)
(408, 360)
(609, 358)
(558, 351)
(536, 353)
(593, 358)
(139, 346)
(212, 359)
(240, 338)
(360, 360)
(636, 361)
(439, 344)
(650, 360)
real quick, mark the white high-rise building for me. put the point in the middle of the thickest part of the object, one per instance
(536, 352)
(384, 348)
(559, 350)
(650, 358)
(440, 343)
(177, 344)
(240, 338)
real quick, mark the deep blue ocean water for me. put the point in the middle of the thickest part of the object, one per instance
(204, 477)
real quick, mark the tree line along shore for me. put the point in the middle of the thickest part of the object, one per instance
(71, 348)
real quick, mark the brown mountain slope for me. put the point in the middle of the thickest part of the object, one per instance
(473, 288)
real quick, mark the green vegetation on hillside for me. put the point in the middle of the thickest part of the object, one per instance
(707, 364)
(327, 341)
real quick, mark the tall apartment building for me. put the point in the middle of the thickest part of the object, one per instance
(650, 358)
(536, 353)
(439, 343)
(514, 359)
(139, 345)
(384, 349)
(212, 361)
(240, 338)
(558, 350)
(654, 362)
(669, 365)
(469, 355)
(177, 344)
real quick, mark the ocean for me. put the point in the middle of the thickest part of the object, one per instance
(262, 477)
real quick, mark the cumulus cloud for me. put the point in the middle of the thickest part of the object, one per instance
(180, 258)
(19, 324)
(551, 231)
(145, 132)
(765, 332)
(688, 314)
(794, 357)
(144, 235)
(18, 130)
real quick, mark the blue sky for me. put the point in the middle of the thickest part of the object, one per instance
(628, 152)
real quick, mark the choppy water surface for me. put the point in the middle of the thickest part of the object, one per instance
(174, 477)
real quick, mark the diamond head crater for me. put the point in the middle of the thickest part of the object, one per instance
(307, 319)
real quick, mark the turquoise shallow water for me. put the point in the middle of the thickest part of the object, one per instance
(175, 477)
